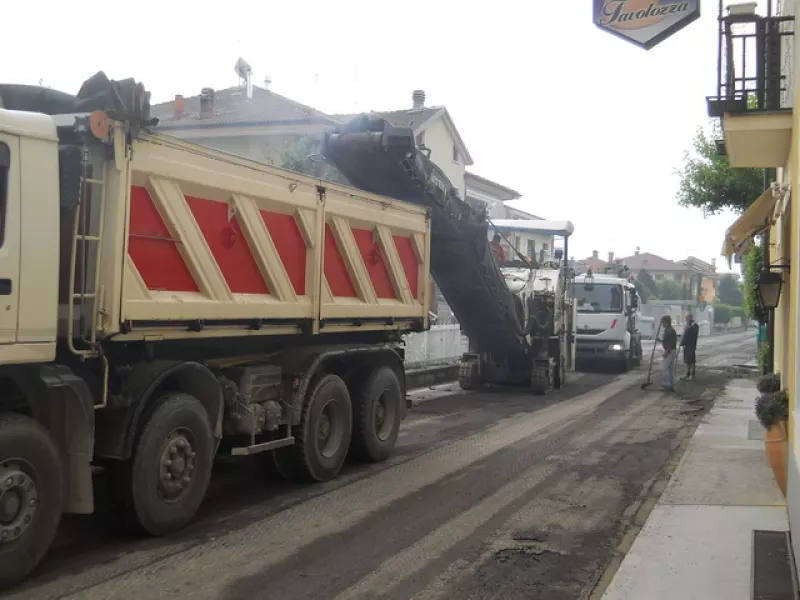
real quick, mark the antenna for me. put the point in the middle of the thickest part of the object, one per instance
(245, 73)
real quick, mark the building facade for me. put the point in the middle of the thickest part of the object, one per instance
(755, 104)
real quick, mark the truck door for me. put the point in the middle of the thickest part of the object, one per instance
(9, 237)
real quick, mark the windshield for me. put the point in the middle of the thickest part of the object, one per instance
(602, 298)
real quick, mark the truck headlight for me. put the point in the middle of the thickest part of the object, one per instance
(615, 347)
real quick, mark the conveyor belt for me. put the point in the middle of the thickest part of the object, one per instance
(380, 158)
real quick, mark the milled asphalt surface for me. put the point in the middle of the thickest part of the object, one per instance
(492, 494)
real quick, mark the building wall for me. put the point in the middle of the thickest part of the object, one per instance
(789, 376)
(709, 289)
(438, 140)
(520, 240)
(268, 149)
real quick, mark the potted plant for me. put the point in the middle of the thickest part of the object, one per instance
(772, 410)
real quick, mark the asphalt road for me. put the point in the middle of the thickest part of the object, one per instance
(496, 494)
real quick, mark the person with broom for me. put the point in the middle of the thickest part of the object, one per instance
(669, 342)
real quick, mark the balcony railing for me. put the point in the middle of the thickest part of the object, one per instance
(754, 64)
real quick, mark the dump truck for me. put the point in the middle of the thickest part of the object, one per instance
(165, 303)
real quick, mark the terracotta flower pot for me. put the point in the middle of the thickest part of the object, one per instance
(775, 445)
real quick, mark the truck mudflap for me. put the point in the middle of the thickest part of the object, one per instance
(380, 158)
(63, 403)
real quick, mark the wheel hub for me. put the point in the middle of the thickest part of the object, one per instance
(380, 413)
(18, 501)
(324, 430)
(176, 467)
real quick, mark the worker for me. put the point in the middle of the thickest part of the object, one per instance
(689, 344)
(498, 253)
(669, 342)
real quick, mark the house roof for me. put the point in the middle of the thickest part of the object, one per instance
(652, 262)
(231, 107)
(472, 178)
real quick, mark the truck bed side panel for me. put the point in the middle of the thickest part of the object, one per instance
(216, 239)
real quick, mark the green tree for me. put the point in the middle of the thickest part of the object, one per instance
(670, 290)
(708, 182)
(753, 263)
(730, 292)
(645, 281)
(722, 313)
(303, 157)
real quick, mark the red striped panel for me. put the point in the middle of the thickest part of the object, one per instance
(335, 269)
(408, 258)
(152, 249)
(228, 245)
(375, 263)
(291, 247)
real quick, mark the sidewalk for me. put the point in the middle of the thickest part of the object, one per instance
(697, 543)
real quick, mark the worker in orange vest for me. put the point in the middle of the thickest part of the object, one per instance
(498, 253)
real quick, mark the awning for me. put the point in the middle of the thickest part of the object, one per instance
(540, 226)
(757, 218)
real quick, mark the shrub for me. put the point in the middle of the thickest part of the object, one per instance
(772, 408)
(762, 357)
(722, 313)
(769, 384)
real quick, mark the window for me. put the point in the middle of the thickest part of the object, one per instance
(532, 249)
(455, 153)
(659, 277)
(5, 167)
(602, 298)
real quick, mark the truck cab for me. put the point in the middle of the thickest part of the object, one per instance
(608, 318)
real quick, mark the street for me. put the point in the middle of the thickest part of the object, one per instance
(496, 494)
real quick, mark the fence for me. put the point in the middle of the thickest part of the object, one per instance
(440, 345)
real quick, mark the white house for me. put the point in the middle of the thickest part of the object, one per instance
(494, 198)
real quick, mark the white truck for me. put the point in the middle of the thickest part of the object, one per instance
(608, 319)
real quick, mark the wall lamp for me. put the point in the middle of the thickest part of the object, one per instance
(769, 285)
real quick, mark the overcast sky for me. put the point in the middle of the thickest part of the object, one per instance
(586, 126)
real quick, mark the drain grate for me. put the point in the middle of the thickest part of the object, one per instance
(772, 566)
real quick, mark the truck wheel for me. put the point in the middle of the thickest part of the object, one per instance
(638, 360)
(322, 438)
(469, 377)
(31, 489)
(541, 381)
(376, 416)
(161, 488)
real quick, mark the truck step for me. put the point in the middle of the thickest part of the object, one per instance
(263, 447)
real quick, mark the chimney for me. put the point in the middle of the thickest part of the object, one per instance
(418, 98)
(267, 82)
(714, 264)
(610, 257)
(206, 103)
(595, 254)
(637, 251)
(177, 108)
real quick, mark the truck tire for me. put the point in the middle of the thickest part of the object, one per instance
(376, 416)
(31, 490)
(541, 381)
(160, 489)
(322, 438)
(469, 377)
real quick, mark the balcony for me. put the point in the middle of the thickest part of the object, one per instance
(755, 88)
